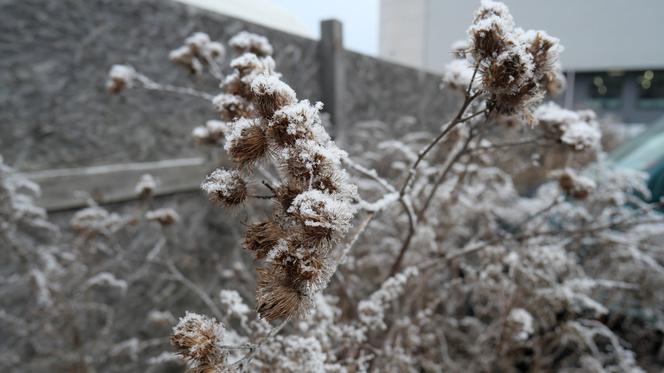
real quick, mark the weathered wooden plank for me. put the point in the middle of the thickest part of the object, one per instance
(71, 188)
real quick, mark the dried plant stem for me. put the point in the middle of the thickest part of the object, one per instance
(363, 226)
(442, 176)
(370, 173)
(177, 275)
(412, 218)
(243, 364)
(505, 145)
(151, 85)
(458, 119)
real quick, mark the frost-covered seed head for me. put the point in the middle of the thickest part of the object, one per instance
(226, 187)
(261, 237)
(163, 216)
(271, 94)
(247, 42)
(247, 141)
(198, 339)
(146, 186)
(574, 185)
(231, 106)
(120, 77)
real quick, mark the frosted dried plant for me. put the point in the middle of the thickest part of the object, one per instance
(492, 281)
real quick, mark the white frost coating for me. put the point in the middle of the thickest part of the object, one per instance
(216, 126)
(524, 320)
(492, 15)
(236, 131)
(302, 355)
(166, 214)
(200, 332)
(179, 53)
(121, 75)
(458, 73)
(161, 317)
(125, 73)
(245, 41)
(108, 279)
(224, 182)
(279, 248)
(581, 135)
(197, 39)
(223, 100)
(96, 220)
(163, 358)
(200, 43)
(250, 65)
(319, 209)
(551, 112)
(200, 133)
(301, 117)
(578, 129)
(380, 204)
(146, 184)
(233, 303)
(272, 85)
(372, 311)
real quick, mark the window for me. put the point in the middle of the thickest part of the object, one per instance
(651, 89)
(606, 89)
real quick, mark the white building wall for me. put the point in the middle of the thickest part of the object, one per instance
(597, 34)
(402, 31)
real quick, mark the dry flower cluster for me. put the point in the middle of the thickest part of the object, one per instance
(434, 262)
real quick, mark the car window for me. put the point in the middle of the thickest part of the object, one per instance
(646, 155)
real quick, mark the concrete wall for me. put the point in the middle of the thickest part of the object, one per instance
(55, 113)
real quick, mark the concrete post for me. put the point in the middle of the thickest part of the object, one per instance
(333, 78)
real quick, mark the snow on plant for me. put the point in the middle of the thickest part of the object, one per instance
(492, 280)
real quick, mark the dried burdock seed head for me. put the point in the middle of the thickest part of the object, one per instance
(198, 50)
(285, 194)
(574, 185)
(211, 133)
(507, 74)
(146, 186)
(295, 122)
(490, 33)
(544, 48)
(184, 57)
(460, 48)
(233, 84)
(579, 130)
(555, 82)
(303, 166)
(198, 340)
(278, 296)
(247, 42)
(457, 75)
(225, 187)
(321, 212)
(231, 107)
(261, 238)
(163, 216)
(120, 77)
(249, 65)
(247, 141)
(271, 94)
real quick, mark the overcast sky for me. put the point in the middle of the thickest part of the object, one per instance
(359, 18)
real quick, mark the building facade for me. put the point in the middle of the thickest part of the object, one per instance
(613, 56)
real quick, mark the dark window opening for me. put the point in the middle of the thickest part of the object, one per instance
(606, 90)
(650, 84)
